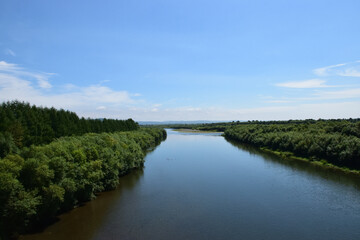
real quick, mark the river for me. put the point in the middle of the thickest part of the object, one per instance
(200, 186)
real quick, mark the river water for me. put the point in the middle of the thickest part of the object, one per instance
(200, 186)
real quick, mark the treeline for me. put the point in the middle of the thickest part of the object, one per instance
(222, 126)
(23, 125)
(336, 141)
(41, 181)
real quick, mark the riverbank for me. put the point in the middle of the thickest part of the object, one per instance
(331, 144)
(189, 130)
(42, 181)
(321, 163)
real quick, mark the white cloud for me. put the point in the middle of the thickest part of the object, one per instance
(42, 81)
(350, 72)
(69, 86)
(312, 83)
(101, 101)
(104, 81)
(351, 69)
(21, 84)
(8, 67)
(299, 111)
(324, 70)
(353, 93)
(278, 101)
(15, 70)
(9, 82)
(316, 91)
(98, 93)
(341, 94)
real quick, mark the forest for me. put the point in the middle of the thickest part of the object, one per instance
(332, 141)
(23, 125)
(39, 181)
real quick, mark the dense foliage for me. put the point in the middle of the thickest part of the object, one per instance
(336, 141)
(22, 125)
(41, 181)
(222, 126)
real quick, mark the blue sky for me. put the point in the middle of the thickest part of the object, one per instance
(184, 60)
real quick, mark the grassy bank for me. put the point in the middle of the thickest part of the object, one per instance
(42, 181)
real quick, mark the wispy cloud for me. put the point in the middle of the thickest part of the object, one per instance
(351, 72)
(278, 101)
(8, 67)
(320, 96)
(341, 94)
(318, 89)
(102, 94)
(350, 69)
(42, 78)
(349, 109)
(34, 87)
(102, 101)
(324, 71)
(311, 83)
(10, 52)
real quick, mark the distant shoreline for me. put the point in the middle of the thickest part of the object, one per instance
(188, 130)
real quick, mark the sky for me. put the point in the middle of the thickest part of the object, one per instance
(164, 60)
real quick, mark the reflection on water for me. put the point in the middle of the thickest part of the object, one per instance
(296, 165)
(200, 186)
(83, 222)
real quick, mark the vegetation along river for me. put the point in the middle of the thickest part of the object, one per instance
(200, 186)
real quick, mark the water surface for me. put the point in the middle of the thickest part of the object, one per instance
(200, 186)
